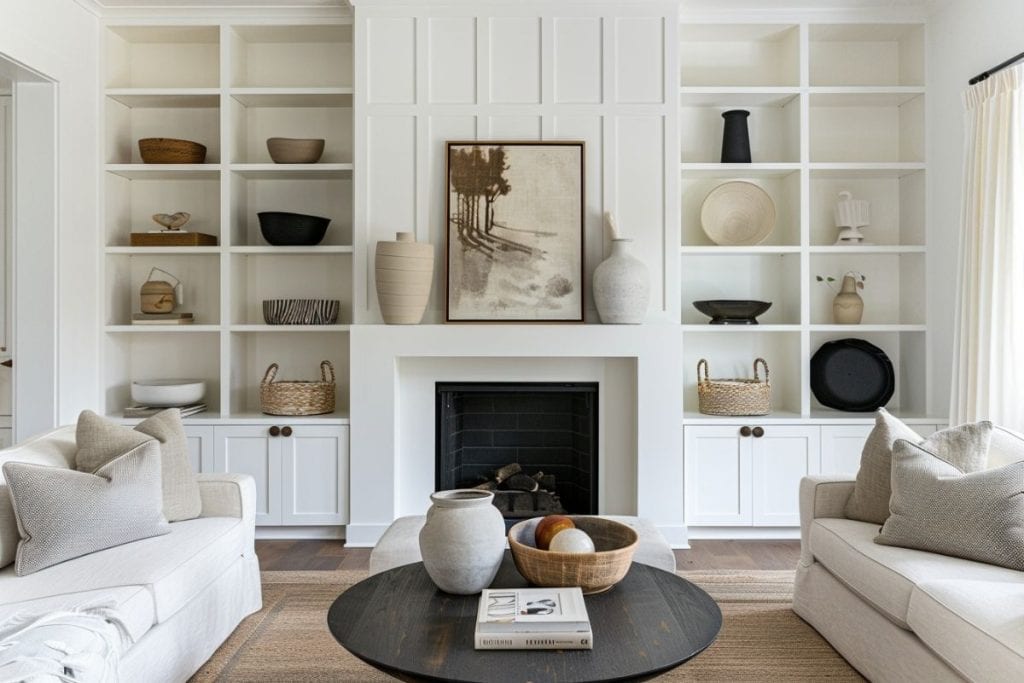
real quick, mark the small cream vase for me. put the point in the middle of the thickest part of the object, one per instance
(847, 307)
(405, 270)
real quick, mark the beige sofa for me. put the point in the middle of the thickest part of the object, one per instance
(898, 614)
(179, 595)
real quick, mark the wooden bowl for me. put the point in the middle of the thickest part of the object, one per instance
(295, 150)
(593, 572)
(171, 151)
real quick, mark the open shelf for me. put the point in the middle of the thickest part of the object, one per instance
(292, 56)
(897, 208)
(304, 118)
(165, 98)
(774, 126)
(318, 196)
(257, 277)
(200, 277)
(131, 203)
(894, 292)
(128, 123)
(760, 277)
(866, 128)
(163, 57)
(739, 54)
(866, 54)
(783, 189)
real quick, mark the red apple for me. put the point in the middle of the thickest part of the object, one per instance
(548, 527)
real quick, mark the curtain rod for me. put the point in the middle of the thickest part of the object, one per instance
(999, 67)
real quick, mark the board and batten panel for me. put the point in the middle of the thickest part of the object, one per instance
(451, 72)
(391, 60)
(514, 128)
(579, 58)
(640, 195)
(515, 60)
(640, 60)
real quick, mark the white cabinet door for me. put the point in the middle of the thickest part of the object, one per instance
(780, 458)
(5, 438)
(314, 479)
(717, 476)
(200, 447)
(841, 446)
(249, 449)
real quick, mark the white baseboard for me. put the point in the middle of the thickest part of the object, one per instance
(364, 535)
(290, 533)
(720, 533)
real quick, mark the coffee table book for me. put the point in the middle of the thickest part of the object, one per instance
(533, 619)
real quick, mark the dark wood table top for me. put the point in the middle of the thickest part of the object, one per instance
(399, 622)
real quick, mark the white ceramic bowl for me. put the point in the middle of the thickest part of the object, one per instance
(168, 392)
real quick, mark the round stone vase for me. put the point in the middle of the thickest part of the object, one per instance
(622, 286)
(404, 270)
(463, 540)
(848, 307)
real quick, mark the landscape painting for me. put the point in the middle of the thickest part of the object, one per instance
(515, 231)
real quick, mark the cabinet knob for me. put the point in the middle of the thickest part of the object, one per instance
(275, 430)
(286, 431)
(758, 432)
(745, 431)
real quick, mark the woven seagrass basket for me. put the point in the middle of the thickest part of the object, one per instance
(298, 398)
(171, 151)
(734, 396)
(593, 572)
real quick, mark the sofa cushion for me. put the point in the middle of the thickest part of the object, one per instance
(885, 576)
(938, 508)
(132, 604)
(63, 514)
(173, 567)
(977, 626)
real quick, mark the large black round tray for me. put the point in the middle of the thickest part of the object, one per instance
(852, 375)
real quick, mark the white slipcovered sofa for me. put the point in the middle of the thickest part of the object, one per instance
(904, 615)
(179, 595)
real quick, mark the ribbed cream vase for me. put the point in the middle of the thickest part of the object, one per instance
(405, 270)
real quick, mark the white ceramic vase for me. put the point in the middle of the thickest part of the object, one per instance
(463, 540)
(404, 270)
(622, 286)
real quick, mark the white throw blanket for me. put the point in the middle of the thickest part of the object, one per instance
(83, 644)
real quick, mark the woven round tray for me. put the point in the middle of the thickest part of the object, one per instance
(298, 398)
(734, 396)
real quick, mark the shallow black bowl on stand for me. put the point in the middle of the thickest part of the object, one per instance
(852, 375)
(732, 311)
(284, 229)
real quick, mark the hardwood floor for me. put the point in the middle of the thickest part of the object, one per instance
(702, 555)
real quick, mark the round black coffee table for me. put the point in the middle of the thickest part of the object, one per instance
(399, 622)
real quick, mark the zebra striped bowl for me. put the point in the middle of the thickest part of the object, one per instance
(300, 311)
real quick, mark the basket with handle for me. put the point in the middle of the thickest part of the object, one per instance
(734, 396)
(298, 398)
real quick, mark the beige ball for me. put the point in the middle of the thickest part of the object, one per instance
(571, 541)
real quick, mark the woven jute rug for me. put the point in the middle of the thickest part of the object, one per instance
(761, 638)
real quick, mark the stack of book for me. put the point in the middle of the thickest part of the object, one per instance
(162, 319)
(147, 411)
(533, 619)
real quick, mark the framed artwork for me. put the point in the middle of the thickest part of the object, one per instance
(514, 249)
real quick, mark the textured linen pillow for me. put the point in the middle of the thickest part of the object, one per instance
(965, 447)
(63, 514)
(936, 507)
(1007, 447)
(100, 441)
(9, 535)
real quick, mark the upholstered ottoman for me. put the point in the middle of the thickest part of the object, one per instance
(400, 544)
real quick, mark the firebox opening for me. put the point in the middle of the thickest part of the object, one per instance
(534, 444)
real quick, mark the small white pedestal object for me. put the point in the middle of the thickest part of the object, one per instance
(850, 215)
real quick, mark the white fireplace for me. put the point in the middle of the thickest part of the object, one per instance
(637, 369)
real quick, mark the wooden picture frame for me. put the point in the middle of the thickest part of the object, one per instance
(514, 231)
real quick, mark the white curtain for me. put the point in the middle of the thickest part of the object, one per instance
(988, 352)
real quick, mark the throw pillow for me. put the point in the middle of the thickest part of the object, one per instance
(1007, 447)
(100, 440)
(965, 447)
(63, 514)
(9, 535)
(938, 508)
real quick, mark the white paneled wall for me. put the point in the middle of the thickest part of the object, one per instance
(604, 74)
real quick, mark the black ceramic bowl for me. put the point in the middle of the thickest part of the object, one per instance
(732, 311)
(283, 229)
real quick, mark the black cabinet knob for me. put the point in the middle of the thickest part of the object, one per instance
(275, 430)
(758, 432)
(745, 431)
(286, 431)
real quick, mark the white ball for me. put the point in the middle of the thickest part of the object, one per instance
(571, 541)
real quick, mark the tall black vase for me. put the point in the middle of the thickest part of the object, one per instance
(735, 137)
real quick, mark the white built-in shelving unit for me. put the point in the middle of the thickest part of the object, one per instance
(229, 86)
(832, 107)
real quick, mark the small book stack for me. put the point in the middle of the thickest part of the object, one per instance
(147, 411)
(533, 619)
(162, 319)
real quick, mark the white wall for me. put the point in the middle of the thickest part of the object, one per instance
(965, 37)
(59, 39)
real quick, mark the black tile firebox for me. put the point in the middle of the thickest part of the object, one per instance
(489, 432)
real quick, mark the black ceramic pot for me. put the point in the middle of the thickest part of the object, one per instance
(281, 228)
(735, 137)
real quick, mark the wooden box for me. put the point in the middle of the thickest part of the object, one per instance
(173, 239)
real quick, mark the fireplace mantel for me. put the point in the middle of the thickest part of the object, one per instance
(380, 454)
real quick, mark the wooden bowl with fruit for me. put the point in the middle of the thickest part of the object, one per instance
(572, 550)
